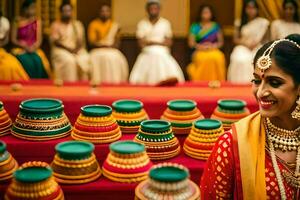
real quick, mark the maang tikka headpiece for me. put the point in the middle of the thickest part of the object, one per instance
(265, 61)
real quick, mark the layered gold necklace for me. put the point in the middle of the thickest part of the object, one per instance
(284, 140)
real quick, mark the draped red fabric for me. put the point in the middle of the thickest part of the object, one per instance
(221, 178)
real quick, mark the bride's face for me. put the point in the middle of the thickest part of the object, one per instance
(275, 92)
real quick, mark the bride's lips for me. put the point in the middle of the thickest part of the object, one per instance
(266, 104)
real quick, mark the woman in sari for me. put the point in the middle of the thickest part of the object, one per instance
(259, 158)
(250, 33)
(289, 23)
(10, 67)
(208, 62)
(109, 65)
(27, 36)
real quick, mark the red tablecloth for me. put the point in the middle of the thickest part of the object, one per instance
(76, 95)
(103, 188)
(154, 98)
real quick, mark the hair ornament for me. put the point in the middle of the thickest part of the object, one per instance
(265, 61)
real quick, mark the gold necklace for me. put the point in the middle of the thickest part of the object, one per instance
(284, 140)
(278, 137)
(294, 179)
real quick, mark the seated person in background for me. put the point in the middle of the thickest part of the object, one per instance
(205, 38)
(70, 59)
(155, 63)
(249, 34)
(10, 67)
(109, 65)
(289, 23)
(27, 36)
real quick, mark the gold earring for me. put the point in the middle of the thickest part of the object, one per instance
(296, 113)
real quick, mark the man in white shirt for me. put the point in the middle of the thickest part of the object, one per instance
(155, 64)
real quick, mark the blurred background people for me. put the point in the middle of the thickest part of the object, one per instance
(155, 63)
(289, 22)
(109, 65)
(69, 56)
(27, 36)
(205, 38)
(251, 32)
(10, 67)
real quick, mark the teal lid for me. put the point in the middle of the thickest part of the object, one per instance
(127, 147)
(127, 105)
(2, 147)
(208, 124)
(231, 104)
(182, 105)
(155, 126)
(41, 104)
(96, 110)
(74, 150)
(33, 174)
(168, 174)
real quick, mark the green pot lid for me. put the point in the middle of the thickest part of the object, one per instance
(1, 105)
(155, 125)
(168, 174)
(74, 150)
(96, 110)
(208, 124)
(231, 104)
(2, 147)
(127, 147)
(33, 174)
(41, 104)
(182, 105)
(127, 105)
